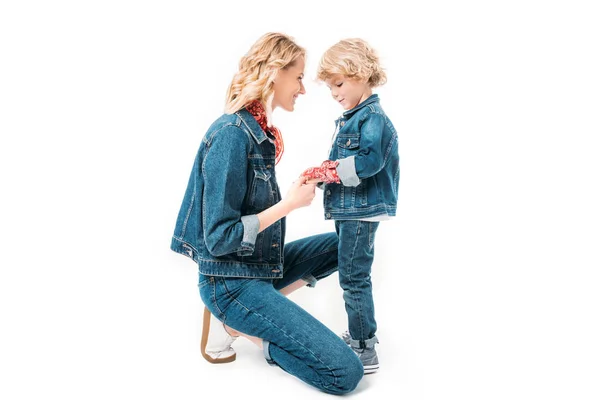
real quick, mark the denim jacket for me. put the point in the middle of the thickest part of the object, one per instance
(366, 147)
(232, 180)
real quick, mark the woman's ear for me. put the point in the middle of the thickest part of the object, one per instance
(273, 75)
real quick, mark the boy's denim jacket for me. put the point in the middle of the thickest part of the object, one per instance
(366, 147)
(232, 180)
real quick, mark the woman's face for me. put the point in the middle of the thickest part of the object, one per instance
(288, 85)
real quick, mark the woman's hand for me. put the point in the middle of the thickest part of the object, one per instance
(301, 194)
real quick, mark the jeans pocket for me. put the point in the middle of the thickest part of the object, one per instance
(234, 286)
(204, 280)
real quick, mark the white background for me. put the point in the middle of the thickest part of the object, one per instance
(486, 283)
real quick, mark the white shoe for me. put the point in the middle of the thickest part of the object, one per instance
(215, 344)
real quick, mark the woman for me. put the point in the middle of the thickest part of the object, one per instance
(232, 223)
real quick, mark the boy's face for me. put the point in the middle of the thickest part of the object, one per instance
(348, 92)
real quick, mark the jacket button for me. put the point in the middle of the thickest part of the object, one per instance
(342, 123)
(328, 192)
(275, 245)
(328, 215)
(269, 166)
(348, 142)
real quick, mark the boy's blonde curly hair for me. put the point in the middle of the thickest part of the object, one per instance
(258, 69)
(353, 58)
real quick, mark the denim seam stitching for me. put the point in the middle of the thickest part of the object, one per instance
(189, 212)
(362, 331)
(240, 262)
(389, 148)
(214, 287)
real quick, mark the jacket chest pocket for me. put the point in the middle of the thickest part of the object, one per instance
(347, 145)
(261, 191)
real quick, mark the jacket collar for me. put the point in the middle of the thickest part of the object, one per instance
(374, 98)
(255, 130)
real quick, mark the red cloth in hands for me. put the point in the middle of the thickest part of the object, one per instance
(325, 173)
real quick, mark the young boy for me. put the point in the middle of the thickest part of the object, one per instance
(360, 181)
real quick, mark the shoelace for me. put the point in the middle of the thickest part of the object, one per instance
(346, 336)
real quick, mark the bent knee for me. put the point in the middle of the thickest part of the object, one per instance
(348, 374)
(354, 374)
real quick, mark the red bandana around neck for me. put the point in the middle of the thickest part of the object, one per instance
(259, 113)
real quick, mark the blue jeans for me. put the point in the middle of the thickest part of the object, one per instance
(292, 338)
(356, 250)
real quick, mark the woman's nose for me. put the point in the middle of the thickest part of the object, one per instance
(302, 88)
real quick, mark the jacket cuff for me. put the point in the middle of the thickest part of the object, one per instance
(347, 172)
(251, 225)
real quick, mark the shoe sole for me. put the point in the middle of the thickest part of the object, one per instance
(371, 369)
(204, 341)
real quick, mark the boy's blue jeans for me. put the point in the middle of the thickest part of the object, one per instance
(292, 338)
(356, 250)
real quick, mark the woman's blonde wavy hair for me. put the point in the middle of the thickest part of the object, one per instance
(353, 58)
(259, 67)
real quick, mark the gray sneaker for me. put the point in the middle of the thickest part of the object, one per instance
(368, 357)
(346, 337)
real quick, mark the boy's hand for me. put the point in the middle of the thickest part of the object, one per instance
(325, 173)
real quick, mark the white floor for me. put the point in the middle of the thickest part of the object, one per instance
(136, 335)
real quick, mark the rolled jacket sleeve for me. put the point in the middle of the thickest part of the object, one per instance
(224, 171)
(251, 227)
(346, 170)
